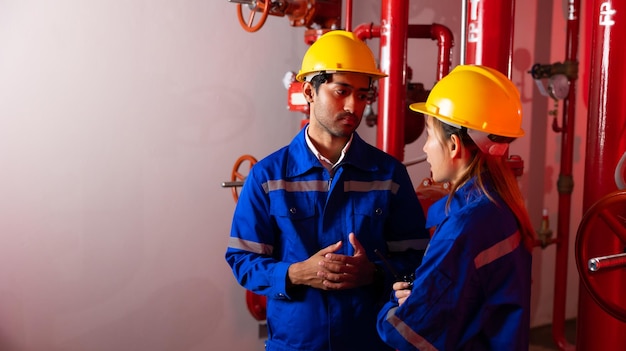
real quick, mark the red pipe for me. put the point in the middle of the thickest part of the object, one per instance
(385, 139)
(434, 31)
(489, 42)
(367, 31)
(565, 184)
(445, 41)
(392, 90)
(606, 146)
(348, 15)
(489, 39)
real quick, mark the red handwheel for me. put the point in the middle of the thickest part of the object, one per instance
(255, 6)
(242, 167)
(255, 302)
(601, 253)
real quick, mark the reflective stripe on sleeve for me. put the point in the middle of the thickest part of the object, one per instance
(251, 246)
(498, 250)
(407, 333)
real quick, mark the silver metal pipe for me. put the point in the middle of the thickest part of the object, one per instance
(607, 262)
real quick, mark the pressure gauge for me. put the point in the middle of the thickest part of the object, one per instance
(558, 86)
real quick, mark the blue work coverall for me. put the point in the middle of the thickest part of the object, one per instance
(290, 208)
(472, 291)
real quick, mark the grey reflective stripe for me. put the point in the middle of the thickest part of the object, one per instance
(407, 333)
(250, 246)
(498, 250)
(357, 186)
(306, 185)
(416, 244)
(322, 185)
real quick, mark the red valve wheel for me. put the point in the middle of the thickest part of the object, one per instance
(256, 305)
(263, 5)
(604, 222)
(237, 175)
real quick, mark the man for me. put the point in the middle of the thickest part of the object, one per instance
(316, 218)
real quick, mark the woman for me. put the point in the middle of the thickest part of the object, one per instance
(472, 290)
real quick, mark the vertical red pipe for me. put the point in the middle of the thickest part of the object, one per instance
(348, 15)
(445, 41)
(489, 40)
(392, 90)
(565, 183)
(606, 147)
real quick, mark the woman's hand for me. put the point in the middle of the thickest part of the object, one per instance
(402, 290)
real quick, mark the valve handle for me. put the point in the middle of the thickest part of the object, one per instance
(255, 6)
(602, 272)
(237, 176)
(254, 302)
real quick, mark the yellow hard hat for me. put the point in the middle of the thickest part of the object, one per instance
(476, 97)
(339, 51)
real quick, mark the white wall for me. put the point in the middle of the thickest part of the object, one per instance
(119, 120)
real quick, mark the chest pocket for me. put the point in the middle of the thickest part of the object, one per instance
(295, 217)
(292, 206)
(371, 211)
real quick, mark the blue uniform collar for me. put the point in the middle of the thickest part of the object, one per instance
(467, 193)
(301, 160)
